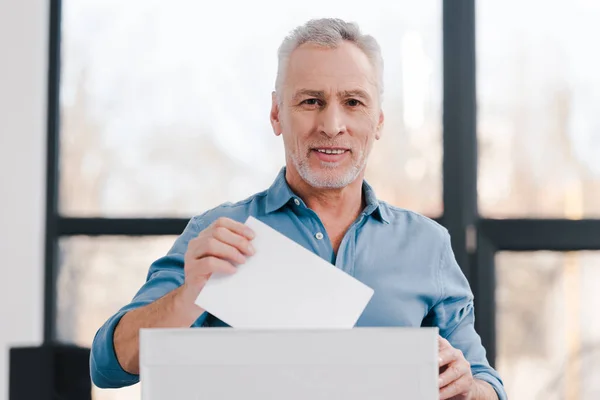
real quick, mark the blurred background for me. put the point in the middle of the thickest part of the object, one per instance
(161, 112)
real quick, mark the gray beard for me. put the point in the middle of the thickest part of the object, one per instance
(328, 181)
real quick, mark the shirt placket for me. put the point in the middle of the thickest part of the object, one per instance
(314, 230)
(345, 257)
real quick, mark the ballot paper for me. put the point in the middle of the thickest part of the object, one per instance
(283, 285)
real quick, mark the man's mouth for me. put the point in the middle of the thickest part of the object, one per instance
(330, 154)
(331, 151)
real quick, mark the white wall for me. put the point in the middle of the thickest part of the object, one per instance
(23, 75)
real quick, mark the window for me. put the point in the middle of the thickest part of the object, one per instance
(164, 114)
(548, 330)
(538, 92)
(165, 106)
(98, 276)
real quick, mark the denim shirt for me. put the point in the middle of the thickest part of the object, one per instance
(405, 257)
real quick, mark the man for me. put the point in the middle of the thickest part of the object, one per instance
(327, 108)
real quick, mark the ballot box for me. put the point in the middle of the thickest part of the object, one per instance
(305, 364)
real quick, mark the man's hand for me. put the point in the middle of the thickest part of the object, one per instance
(218, 248)
(456, 380)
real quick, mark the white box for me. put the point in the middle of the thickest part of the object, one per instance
(348, 364)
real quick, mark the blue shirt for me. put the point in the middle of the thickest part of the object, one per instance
(405, 257)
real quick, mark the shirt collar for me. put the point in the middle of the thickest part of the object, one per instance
(280, 193)
(374, 207)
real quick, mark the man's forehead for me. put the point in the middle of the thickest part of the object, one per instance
(344, 63)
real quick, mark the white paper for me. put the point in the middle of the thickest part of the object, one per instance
(284, 286)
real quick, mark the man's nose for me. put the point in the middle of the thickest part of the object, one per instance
(332, 121)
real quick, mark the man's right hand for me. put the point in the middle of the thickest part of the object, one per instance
(217, 249)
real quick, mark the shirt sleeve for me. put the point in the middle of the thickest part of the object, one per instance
(164, 275)
(454, 315)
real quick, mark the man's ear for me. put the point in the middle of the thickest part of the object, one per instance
(275, 123)
(379, 130)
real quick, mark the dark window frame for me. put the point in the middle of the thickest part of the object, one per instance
(475, 240)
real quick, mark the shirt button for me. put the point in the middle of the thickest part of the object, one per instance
(297, 202)
(319, 236)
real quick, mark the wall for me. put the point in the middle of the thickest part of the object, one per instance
(23, 76)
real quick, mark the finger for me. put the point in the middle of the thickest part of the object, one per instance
(233, 239)
(443, 343)
(234, 226)
(448, 355)
(461, 386)
(212, 247)
(454, 372)
(207, 266)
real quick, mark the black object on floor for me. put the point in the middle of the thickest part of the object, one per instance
(50, 372)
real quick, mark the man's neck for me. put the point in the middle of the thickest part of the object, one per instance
(342, 205)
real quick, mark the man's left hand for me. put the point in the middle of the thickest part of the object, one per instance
(456, 380)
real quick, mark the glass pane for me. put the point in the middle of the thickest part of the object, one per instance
(548, 326)
(165, 105)
(539, 96)
(97, 276)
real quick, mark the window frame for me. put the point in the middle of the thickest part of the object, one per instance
(475, 240)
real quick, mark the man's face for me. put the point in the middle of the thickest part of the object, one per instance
(329, 114)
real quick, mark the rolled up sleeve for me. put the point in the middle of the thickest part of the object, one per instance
(164, 275)
(455, 317)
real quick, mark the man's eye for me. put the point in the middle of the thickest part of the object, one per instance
(311, 102)
(353, 103)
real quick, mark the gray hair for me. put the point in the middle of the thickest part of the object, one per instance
(328, 32)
